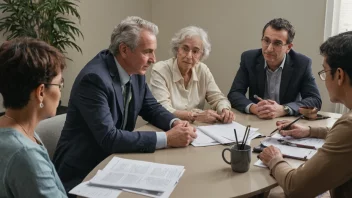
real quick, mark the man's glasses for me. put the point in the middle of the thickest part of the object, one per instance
(61, 85)
(276, 44)
(322, 74)
(195, 52)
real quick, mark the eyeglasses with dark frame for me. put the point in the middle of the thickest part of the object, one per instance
(322, 74)
(276, 44)
(61, 85)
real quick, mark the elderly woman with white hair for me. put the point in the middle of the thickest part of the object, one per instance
(183, 84)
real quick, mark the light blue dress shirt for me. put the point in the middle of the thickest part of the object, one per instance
(161, 138)
(25, 168)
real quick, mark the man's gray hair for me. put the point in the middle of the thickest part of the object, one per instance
(128, 32)
(189, 32)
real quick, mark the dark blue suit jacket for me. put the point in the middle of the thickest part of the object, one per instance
(92, 130)
(297, 88)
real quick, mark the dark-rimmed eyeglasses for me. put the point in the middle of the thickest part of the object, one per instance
(61, 85)
(276, 44)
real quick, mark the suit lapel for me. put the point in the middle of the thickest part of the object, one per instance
(115, 80)
(261, 76)
(285, 77)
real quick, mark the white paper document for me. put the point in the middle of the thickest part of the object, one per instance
(86, 190)
(293, 163)
(138, 175)
(316, 142)
(222, 134)
(165, 194)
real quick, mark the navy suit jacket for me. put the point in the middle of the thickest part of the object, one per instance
(297, 88)
(92, 130)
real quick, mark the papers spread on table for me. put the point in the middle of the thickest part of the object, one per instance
(222, 134)
(86, 190)
(146, 178)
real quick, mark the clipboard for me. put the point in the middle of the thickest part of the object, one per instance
(259, 149)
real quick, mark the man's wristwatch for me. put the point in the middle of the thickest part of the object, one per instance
(286, 109)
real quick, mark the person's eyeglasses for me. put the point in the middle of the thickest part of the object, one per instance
(196, 52)
(276, 44)
(322, 74)
(61, 85)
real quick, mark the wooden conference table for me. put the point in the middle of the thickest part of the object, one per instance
(207, 175)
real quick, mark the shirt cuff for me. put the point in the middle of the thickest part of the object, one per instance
(318, 132)
(275, 161)
(248, 107)
(161, 140)
(221, 107)
(172, 121)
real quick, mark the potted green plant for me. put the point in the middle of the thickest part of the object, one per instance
(48, 20)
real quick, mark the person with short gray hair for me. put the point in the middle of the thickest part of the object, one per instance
(107, 97)
(183, 84)
(128, 32)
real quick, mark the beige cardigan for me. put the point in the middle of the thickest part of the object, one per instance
(329, 169)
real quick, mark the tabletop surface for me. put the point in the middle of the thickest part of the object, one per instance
(207, 175)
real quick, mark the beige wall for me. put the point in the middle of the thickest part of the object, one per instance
(233, 26)
(98, 19)
(236, 25)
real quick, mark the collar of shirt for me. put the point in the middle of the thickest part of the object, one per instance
(176, 74)
(124, 77)
(282, 64)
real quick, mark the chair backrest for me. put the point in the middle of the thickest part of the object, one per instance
(49, 131)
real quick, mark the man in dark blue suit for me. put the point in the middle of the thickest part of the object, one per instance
(106, 98)
(280, 77)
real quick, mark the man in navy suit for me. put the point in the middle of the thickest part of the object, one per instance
(280, 77)
(106, 98)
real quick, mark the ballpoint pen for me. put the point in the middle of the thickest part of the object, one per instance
(284, 142)
(257, 97)
(286, 127)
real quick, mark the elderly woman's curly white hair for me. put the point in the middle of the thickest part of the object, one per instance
(189, 32)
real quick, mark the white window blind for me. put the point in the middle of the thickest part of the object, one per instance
(338, 19)
(345, 16)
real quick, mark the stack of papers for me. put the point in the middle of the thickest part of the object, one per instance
(222, 134)
(146, 178)
(87, 190)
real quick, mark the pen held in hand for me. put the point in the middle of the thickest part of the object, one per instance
(286, 127)
(258, 98)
